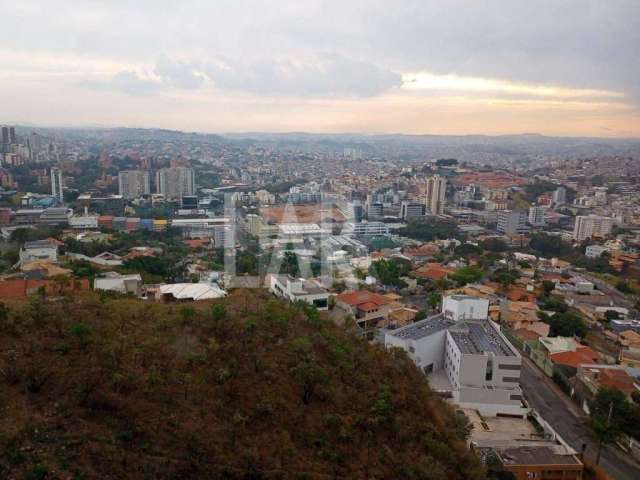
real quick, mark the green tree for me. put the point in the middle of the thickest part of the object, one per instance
(608, 410)
(465, 275)
(567, 324)
(624, 287)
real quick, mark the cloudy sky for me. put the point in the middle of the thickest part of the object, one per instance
(558, 67)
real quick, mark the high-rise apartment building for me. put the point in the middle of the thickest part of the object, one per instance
(536, 216)
(134, 183)
(175, 182)
(560, 196)
(512, 222)
(57, 185)
(436, 189)
(592, 226)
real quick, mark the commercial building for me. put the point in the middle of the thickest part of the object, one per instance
(39, 250)
(56, 216)
(366, 228)
(133, 183)
(512, 222)
(465, 356)
(411, 210)
(537, 216)
(591, 226)
(175, 183)
(215, 228)
(375, 210)
(435, 198)
(57, 185)
(84, 221)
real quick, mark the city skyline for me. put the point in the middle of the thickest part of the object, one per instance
(428, 68)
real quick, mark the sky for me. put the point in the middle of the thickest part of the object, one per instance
(556, 67)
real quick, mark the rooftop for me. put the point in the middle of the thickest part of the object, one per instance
(479, 338)
(423, 328)
(546, 455)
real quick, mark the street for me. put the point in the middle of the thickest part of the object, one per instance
(569, 421)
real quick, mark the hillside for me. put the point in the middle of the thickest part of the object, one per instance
(246, 388)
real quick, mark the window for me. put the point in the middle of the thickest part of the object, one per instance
(428, 368)
(510, 379)
(489, 372)
(509, 367)
(320, 302)
(412, 350)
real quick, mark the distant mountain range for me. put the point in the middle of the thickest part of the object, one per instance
(480, 148)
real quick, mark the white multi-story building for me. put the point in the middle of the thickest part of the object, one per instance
(299, 289)
(595, 251)
(133, 183)
(464, 307)
(560, 196)
(215, 228)
(536, 216)
(590, 226)
(57, 185)
(466, 358)
(512, 222)
(366, 228)
(84, 221)
(175, 183)
(435, 198)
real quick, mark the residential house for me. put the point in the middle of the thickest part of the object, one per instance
(299, 289)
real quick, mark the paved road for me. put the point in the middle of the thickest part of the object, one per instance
(618, 297)
(569, 421)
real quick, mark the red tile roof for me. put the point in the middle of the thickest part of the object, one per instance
(583, 354)
(363, 297)
(619, 379)
(432, 271)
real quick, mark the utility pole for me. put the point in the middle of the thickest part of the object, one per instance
(600, 442)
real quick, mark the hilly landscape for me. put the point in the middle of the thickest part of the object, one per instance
(97, 386)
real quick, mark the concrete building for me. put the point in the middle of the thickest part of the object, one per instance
(115, 282)
(175, 183)
(56, 216)
(375, 210)
(299, 289)
(57, 184)
(595, 251)
(39, 250)
(133, 183)
(560, 196)
(466, 358)
(462, 307)
(591, 226)
(412, 210)
(84, 221)
(512, 222)
(435, 198)
(215, 228)
(366, 228)
(536, 216)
